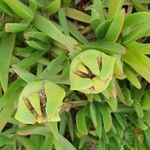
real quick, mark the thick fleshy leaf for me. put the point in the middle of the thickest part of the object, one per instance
(27, 143)
(139, 62)
(146, 101)
(114, 7)
(143, 48)
(118, 68)
(81, 125)
(77, 15)
(106, 116)
(102, 29)
(106, 47)
(92, 111)
(136, 33)
(97, 14)
(20, 9)
(131, 76)
(53, 7)
(16, 27)
(115, 27)
(47, 27)
(137, 18)
(6, 49)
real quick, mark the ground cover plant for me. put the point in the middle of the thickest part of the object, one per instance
(74, 75)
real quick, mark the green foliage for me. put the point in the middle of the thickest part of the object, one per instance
(74, 74)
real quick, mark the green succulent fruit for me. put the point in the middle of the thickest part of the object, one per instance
(40, 101)
(91, 71)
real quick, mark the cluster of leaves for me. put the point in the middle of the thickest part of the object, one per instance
(74, 74)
